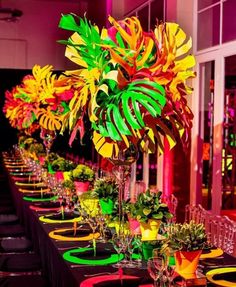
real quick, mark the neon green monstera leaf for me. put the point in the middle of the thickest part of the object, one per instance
(131, 83)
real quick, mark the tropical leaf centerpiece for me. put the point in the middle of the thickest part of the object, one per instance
(41, 100)
(131, 83)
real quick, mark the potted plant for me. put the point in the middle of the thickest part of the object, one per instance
(62, 167)
(106, 189)
(36, 149)
(150, 212)
(69, 186)
(187, 241)
(82, 176)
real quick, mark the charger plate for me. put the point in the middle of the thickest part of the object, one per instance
(107, 256)
(57, 235)
(18, 183)
(91, 282)
(215, 252)
(32, 198)
(47, 219)
(224, 283)
(105, 259)
(34, 190)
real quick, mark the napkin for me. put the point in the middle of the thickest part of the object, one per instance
(228, 276)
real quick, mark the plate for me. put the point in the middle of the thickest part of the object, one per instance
(90, 282)
(66, 234)
(212, 253)
(85, 256)
(38, 196)
(30, 183)
(41, 189)
(57, 218)
(220, 273)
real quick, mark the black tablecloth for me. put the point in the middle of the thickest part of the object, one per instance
(60, 272)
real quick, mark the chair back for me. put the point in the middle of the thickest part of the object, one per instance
(222, 233)
(139, 187)
(172, 202)
(198, 214)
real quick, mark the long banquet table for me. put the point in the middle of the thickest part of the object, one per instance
(65, 274)
(60, 272)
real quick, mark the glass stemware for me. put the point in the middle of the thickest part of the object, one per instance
(156, 267)
(117, 242)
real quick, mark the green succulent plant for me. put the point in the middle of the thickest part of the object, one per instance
(28, 142)
(21, 140)
(149, 206)
(69, 165)
(52, 156)
(187, 236)
(61, 164)
(82, 173)
(37, 148)
(105, 188)
(69, 184)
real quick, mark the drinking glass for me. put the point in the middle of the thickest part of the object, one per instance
(156, 267)
(117, 242)
(93, 225)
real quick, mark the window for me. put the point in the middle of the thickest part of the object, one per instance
(150, 13)
(216, 22)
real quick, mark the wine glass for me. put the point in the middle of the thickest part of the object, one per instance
(117, 242)
(156, 267)
(137, 245)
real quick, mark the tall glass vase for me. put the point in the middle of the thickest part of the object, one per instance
(48, 138)
(122, 166)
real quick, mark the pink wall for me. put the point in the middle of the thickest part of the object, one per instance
(129, 5)
(171, 10)
(33, 39)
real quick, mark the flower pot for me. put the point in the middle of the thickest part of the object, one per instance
(186, 262)
(106, 205)
(42, 160)
(134, 226)
(81, 186)
(59, 175)
(147, 250)
(150, 229)
(124, 229)
(90, 205)
(66, 175)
